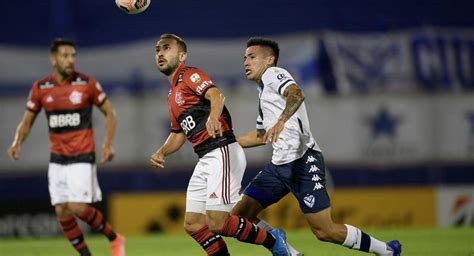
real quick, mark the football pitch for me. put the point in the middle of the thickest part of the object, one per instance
(416, 242)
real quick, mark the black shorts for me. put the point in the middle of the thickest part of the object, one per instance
(304, 177)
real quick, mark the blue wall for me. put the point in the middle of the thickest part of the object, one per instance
(33, 22)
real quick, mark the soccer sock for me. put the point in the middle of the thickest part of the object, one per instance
(96, 220)
(74, 233)
(246, 231)
(265, 225)
(213, 244)
(356, 239)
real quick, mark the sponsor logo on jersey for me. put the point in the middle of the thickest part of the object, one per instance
(49, 99)
(195, 78)
(309, 200)
(79, 81)
(178, 97)
(75, 97)
(204, 84)
(187, 124)
(281, 77)
(64, 120)
(46, 85)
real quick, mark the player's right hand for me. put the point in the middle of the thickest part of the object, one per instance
(157, 160)
(14, 152)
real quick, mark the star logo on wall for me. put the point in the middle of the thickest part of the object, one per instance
(384, 123)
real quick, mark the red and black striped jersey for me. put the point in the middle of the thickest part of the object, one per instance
(189, 110)
(68, 108)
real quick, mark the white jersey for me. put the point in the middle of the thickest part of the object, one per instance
(296, 137)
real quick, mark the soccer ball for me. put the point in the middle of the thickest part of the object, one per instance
(133, 6)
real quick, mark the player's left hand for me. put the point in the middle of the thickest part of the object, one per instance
(107, 153)
(214, 127)
(273, 133)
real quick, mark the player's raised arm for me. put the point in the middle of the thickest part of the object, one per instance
(110, 126)
(22, 131)
(294, 98)
(213, 125)
(172, 144)
(252, 139)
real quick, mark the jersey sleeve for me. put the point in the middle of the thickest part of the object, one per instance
(98, 95)
(278, 78)
(259, 123)
(198, 81)
(34, 99)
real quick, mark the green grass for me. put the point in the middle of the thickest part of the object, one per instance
(416, 242)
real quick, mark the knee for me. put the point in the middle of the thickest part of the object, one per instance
(216, 225)
(62, 210)
(76, 208)
(192, 225)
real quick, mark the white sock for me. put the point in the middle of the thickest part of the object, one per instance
(265, 225)
(356, 239)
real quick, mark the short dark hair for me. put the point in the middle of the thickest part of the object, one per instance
(178, 39)
(59, 42)
(265, 42)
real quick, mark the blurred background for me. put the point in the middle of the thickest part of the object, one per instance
(389, 89)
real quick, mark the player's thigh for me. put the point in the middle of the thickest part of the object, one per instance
(308, 182)
(266, 187)
(73, 183)
(197, 189)
(226, 167)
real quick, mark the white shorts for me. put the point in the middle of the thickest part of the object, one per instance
(216, 180)
(73, 183)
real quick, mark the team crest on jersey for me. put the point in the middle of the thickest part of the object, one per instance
(179, 98)
(75, 97)
(79, 81)
(195, 78)
(46, 85)
(309, 200)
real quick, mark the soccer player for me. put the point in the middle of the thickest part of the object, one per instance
(67, 97)
(198, 113)
(297, 164)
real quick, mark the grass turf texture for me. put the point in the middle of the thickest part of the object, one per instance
(416, 242)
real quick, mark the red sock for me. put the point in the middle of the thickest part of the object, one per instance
(74, 233)
(213, 244)
(246, 231)
(96, 220)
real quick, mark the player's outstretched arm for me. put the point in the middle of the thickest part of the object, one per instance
(22, 131)
(252, 139)
(110, 126)
(172, 144)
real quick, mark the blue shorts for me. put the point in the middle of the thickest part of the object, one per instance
(304, 177)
